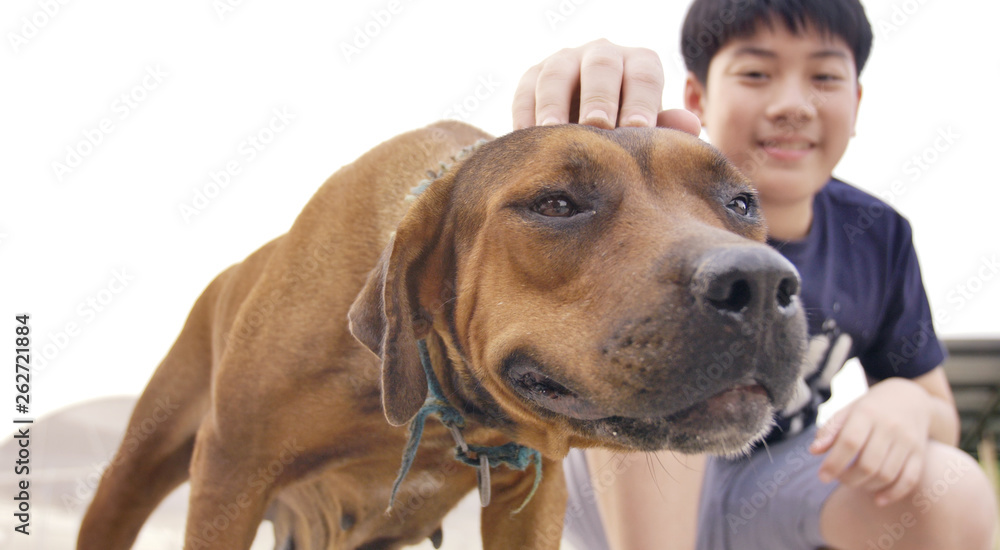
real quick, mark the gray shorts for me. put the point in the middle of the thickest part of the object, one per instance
(582, 525)
(771, 499)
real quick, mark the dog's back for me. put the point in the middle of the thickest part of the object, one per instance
(335, 241)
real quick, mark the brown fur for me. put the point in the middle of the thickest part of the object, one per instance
(284, 412)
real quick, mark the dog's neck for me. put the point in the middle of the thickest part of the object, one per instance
(511, 454)
(462, 390)
(466, 392)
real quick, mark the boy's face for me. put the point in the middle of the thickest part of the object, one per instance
(781, 106)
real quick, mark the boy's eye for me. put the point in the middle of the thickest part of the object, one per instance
(754, 75)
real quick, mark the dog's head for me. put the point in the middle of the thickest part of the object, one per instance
(591, 287)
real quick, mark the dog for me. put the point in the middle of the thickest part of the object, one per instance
(556, 287)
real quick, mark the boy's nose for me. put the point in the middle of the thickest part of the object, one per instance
(793, 103)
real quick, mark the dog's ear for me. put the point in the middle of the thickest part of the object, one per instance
(387, 315)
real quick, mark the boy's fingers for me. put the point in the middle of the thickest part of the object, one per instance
(827, 433)
(869, 464)
(848, 444)
(905, 483)
(557, 79)
(523, 108)
(679, 119)
(642, 88)
(892, 466)
(613, 85)
(600, 84)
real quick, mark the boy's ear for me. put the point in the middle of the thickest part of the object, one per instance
(694, 96)
(857, 106)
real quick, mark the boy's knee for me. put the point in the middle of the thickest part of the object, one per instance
(955, 502)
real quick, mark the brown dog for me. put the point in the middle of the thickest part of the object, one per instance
(574, 287)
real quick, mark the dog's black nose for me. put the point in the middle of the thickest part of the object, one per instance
(746, 282)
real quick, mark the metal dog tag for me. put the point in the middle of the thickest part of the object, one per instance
(456, 434)
(483, 475)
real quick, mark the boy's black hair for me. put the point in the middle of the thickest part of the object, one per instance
(712, 23)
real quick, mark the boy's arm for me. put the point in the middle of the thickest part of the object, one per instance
(600, 84)
(650, 500)
(945, 425)
(878, 442)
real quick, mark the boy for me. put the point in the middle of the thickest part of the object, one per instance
(775, 85)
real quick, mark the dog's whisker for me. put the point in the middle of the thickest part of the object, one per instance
(768, 451)
(656, 483)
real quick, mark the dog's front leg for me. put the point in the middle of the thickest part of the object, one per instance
(538, 526)
(228, 494)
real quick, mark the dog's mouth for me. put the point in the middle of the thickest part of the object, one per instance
(725, 421)
(551, 395)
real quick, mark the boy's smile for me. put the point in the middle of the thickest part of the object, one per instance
(782, 107)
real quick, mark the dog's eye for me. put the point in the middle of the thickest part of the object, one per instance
(741, 204)
(556, 206)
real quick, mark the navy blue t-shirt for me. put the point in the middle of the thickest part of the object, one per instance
(863, 297)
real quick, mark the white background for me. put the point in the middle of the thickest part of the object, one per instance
(935, 67)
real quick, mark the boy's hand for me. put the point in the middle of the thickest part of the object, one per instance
(600, 84)
(878, 442)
